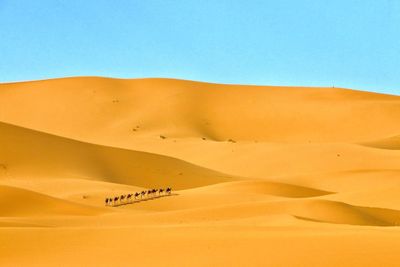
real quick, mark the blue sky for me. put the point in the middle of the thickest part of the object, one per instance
(349, 43)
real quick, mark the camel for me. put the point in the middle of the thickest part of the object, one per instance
(115, 200)
(150, 193)
(122, 197)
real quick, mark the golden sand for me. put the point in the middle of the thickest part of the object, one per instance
(261, 175)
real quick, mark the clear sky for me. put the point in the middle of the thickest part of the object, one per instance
(345, 43)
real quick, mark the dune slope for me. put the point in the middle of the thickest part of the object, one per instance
(392, 142)
(29, 154)
(19, 202)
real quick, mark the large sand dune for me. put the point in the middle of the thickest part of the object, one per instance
(262, 176)
(30, 154)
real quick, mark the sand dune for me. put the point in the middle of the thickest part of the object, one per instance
(277, 159)
(312, 210)
(342, 213)
(261, 175)
(106, 111)
(19, 202)
(29, 154)
(264, 188)
(392, 142)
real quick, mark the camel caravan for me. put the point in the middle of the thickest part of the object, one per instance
(137, 197)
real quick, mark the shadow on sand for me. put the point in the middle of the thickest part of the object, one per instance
(142, 200)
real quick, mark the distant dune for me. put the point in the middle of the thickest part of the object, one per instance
(106, 111)
(261, 175)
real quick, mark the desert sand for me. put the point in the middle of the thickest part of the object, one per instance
(261, 175)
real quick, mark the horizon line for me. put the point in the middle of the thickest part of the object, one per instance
(188, 80)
